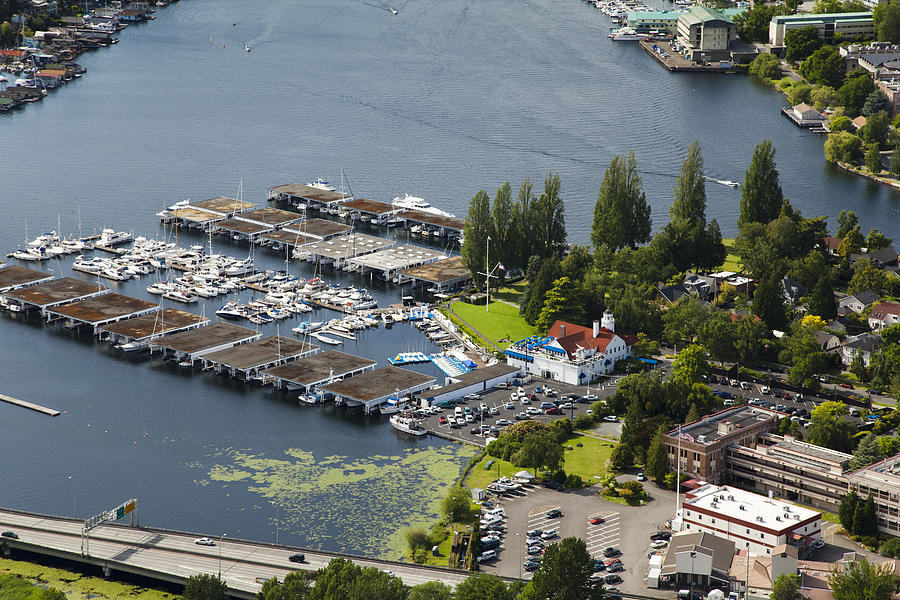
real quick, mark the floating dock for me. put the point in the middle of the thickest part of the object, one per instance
(315, 370)
(145, 327)
(13, 277)
(206, 212)
(224, 205)
(321, 228)
(30, 405)
(297, 194)
(53, 293)
(446, 224)
(441, 275)
(372, 389)
(100, 310)
(345, 247)
(247, 360)
(409, 358)
(191, 345)
(252, 223)
(378, 210)
(391, 260)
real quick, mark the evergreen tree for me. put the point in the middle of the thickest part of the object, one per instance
(875, 103)
(684, 239)
(621, 214)
(657, 456)
(478, 228)
(538, 289)
(895, 161)
(504, 239)
(564, 574)
(863, 579)
(560, 303)
(714, 252)
(852, 243)
(693, 414)
(848, 509)
(550, 224)
(873, 159)
(522, 214)
(867, 453)
(768, 303)
(205, 587)
(858, 520)
(821, 301)
(761, 196)
(786, 587)
(869, 519)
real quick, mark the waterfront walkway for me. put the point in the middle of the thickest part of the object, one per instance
(173, 556)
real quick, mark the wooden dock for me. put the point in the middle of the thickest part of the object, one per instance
(30, 405)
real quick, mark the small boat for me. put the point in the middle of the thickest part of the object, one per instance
(133, 346)
(111, 237)
(248, 48)
(387, 319)
(391, 407)
(407, 425)
(180, 296)
(394, 11)
(231, 310)
(307, 327)
(307, 399)
(326, 340)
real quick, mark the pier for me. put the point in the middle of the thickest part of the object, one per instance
(247, 360)
(53, 293)
(374, 388)
(345, 247)
(441, 276)
(13, 277)
(191, 345)
(100, 310)
(315, 370)
(391, 260)
(378, 211)
(142, 328)
(29, 405)
(303, 196)
(446, 225)
(252, 223)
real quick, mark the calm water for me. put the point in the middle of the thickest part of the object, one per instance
(441, 100)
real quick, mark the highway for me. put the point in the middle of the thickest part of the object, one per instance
(173, 556)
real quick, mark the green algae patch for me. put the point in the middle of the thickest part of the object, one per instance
(19, 575)
(358, 505)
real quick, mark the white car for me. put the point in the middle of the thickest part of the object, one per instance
(659, 544)
(611, 419)
(486, 556)
(549, 534)
(204, 541)
(509, 406)
(531, 410)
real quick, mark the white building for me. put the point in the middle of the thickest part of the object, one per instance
(851, 26)
(755, 523)
(571, 353)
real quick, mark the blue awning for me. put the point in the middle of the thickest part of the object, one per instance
(649, 361)
(552, 349)
(519, 355)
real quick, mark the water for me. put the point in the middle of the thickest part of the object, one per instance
(441, 100)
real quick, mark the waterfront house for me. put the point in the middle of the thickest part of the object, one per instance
(864, 345)
(884, 315)
(883, 257)
(706, 34)
(857, 302)
(805, 115)
(850, 26)
(571, 353)
(858, 123)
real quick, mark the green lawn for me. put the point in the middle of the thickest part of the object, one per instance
(501, 321)
(590, 459)
(732, 261)
(480, 478)
(512, 292)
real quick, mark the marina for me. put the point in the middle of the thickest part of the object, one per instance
(440, 276)
(305, 197)
(372, 389)
(191, 345)
(100, 310)
(250, 224)
(138, 331)
(245, 361)
(390, 261)
(14, 276)
(338, 250)
(313, 371)
(52, 293)
(202, 214)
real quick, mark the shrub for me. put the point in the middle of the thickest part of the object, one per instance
(573, 481)
(584, 422)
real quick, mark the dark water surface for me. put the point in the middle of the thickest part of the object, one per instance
(441, 100)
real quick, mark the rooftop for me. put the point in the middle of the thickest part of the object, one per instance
(373, 207)
(223, 205)
(289, 236)
(753, 509)
(321, 367)
(260, 352)
(242, 226)
(439, 271)
(13, 276)
(886, 471)
(723, 424)
(321, 228)
(719, 548)
(477, 376)
(348, 246)
(163, 321)
(65, 289)
(398, 257)
(311, 193)
(211, 336)
(824, 17)
(189, 213)
(820, 454)
(270, 216)
(380, 383)
(433, 219)
(104, 308)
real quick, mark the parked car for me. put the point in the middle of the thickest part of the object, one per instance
(522, 416)
(846, 386)
(535, 533)
(659, 544)
(597, 521)
(611, 419)
(442, 420)
(611, 579)
(503, 422)
(660, 535)
(549, 534)
(530, 566)
(553, 411)
(640, 476)
(615, 568)
(554, 513)
(486, 556)
(536, 549)
(610, 552)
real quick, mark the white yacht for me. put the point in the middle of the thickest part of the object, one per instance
(416, 203)
(111, 237)
(322, 184)
(407, 425)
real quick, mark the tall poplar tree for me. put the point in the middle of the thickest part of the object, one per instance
(478, 228)
(684, 240)
(761, 196)
(621, 214)
(522, 218)
(657, 458)
(550, 223)
(768, 303)
(503, 239)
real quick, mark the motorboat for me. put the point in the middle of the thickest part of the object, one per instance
(407, 425)
(307, 399)
(322, 184)
(231, 310)
(241, 267)
(326, 340)
(417, 203)
(391, 407)
(308, 327)
(180, 296)
(387, 319)
(111, 237)
(626, 34)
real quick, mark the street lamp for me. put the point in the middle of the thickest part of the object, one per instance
(220, 554)
(487, 263)
(74, 504)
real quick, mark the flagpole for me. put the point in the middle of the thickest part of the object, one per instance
(678, 474)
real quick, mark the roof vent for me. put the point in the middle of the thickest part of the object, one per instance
(730, 497)
(742, 507)
(796, 517)
(777, 518)
(787, 508)
(759, 518)
(701, 439)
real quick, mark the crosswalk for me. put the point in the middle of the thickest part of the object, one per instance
(604, 535)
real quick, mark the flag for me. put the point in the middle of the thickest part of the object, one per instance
(501, 267)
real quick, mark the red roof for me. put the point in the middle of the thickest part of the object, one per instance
(884, 309)
(576, 335)
(16, 53)
(832, 243)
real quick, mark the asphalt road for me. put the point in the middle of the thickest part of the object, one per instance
(244, 565)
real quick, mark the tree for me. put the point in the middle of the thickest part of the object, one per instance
(840, 123)
(538, 288)
(766, 66)
(847, 509)
(685, 319)
(861, 579)
(685, 238)
(801, 43)
(621, 457)
(888, 445)
(800, 91)
(47, 594)
(875, 103)
(858, 367)
(483, 586)
(867, 277)
(690, 366)
(657, 464)
(621, 214)
(761, 196)
(540, 450)
(768, 303)
(823, 96)
(504, 237)
(876, 129)
(829, 429)
(825, 66)
(550, 227)
(876, 240)
(887, 22)
(457, 505)
(564, 574)
(873, 159)
(786, 587)
(853, 93)
(852, 243)
(342, 579)
(522, 227)
(821, 300)
(478, 228)
(847, 220)
(205, 587)
(867, 453)
(869, 521)
(841, 146)
(891, 548)
(753, 23)
(895, 161)
(431, 590)
(560, 303)
(297, 585)
(692, 415)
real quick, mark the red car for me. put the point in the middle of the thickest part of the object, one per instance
(442, 420)
(613, 561)
(846, 386)
(597, 521)
(553, 411)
